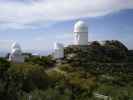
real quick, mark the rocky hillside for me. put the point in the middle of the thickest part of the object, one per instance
(110, 51)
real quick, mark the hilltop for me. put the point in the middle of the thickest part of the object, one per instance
(91, 72)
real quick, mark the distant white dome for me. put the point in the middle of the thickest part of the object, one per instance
(16, 51)
(16, 54)
(102, 42)
(15, 46)
(80, 26)
(58, 51)
(58, 46)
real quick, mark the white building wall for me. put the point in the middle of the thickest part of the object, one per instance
(81, 38)
(16, 58)
(58, 53)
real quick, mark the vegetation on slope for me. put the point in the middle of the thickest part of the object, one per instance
(85, 71)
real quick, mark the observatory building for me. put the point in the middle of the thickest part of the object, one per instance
(58, 51)
(80, 38)
(80, 33)
(16, 54)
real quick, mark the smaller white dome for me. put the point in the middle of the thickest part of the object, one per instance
(15, 46)
(102, 42)
(80, 26)
(16, 51)
(58, 46)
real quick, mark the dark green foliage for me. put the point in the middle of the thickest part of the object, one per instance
(111, 51)
(67, 68)
(116, 43)
(4, 65)
(85, 70)
(108, 62)
(20, 78)
(45, 61)
(49, 94)
(28, 76)
(130, 56)
(55, 76)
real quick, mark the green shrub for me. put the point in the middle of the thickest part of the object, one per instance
(28, 76)
(55, 76)
(66, 67)
(4, 65)
(45, 61)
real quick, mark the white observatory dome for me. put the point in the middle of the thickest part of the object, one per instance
(15, 46)
(16, 55)
(80, 26)
(16, 52)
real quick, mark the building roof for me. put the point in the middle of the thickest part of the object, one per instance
(15, 46)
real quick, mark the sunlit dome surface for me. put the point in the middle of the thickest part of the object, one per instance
(16, 51)
(15, 46)
(16, 54)
(80, 26)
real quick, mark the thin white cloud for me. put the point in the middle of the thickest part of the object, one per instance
(18, 14)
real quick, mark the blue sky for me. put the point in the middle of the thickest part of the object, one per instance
(37, 24)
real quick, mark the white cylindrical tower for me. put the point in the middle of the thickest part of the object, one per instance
(81, 33)
(58, 51)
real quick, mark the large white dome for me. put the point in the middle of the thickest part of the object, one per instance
(80, 26)
(15, 46)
